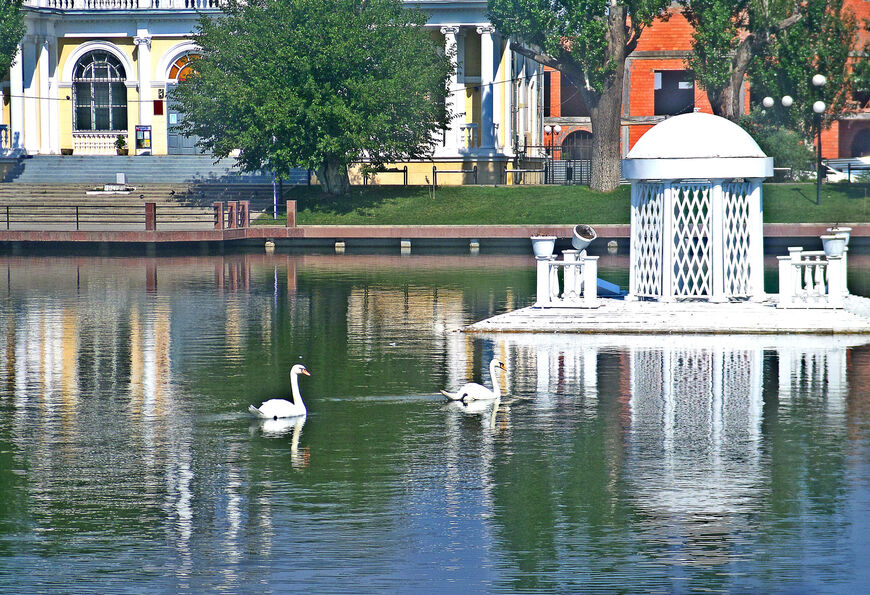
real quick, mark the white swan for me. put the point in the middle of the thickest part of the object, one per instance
(278, 408)
(476, 392)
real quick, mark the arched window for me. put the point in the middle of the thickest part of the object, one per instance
(182, 68)
(577, 146)
(99, 93)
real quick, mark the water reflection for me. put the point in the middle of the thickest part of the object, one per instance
(666, 463)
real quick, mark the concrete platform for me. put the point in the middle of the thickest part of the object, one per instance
(616, 316)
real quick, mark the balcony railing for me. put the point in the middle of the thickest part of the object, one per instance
(124, 4)
(809, 279)
(579, 282)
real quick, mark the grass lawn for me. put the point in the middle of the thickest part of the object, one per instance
(530, 205)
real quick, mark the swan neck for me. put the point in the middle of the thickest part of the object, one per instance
(294, 389)
(495, 386)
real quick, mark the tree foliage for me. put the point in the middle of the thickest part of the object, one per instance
(12, 29)
(316, 84)
(588, 40)
(820, 43)
(732, 37)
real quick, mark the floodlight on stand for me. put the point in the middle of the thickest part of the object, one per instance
(548, 129)
(557, 129)
(819, 107)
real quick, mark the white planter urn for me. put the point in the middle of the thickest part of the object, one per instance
(583, 236)
(841, 231)
(833, 244)
(543, 246)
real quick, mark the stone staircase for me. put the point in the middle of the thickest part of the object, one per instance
(49, 190)
(164, 169)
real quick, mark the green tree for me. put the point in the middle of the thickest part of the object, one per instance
(12, 29)
(820, 43)
(732, 35)
(317, 84)
(588, 40)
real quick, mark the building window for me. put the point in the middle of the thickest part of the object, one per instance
(547, 77)
(674, 92)
(577, 146)
(182, 68)
(572, 102)
(99, 93)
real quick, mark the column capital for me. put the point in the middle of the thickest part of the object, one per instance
(142, 40)
(450, 30)
(486, 30)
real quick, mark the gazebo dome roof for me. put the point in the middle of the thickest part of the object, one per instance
(696, 146)
(693, 136)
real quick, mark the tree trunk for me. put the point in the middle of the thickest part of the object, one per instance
(333, 177)
(605, 108)
(606, 117)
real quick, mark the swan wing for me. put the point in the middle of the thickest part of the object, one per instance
(255, 412)
(474, 392)
(280, 408)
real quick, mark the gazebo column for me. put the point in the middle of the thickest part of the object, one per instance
(634, 244)
(670, 190)
(718, 240)
(756, 240)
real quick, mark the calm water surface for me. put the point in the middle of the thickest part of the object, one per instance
(128, 462)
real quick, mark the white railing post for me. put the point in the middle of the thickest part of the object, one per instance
(786, 284)
(845, 270)
(543, 281)
(590, 280)
(835, 274)
(571, 276)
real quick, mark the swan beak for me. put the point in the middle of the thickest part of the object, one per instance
(501, 365)
(306, 372)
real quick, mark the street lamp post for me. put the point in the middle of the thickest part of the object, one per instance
(819, 109)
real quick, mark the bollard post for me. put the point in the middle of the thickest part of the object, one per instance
(405, 176)
(291, 213)
(232, 214)
(434, 176)
(218, 215)
(244, 213)
(542, 266)
(150, 216)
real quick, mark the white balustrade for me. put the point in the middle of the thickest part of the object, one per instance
(469, 139)
(579, 283)
(808, 279)
(94, 143)
(124, 4)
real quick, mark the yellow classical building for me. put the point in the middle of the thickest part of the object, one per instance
(89, 71)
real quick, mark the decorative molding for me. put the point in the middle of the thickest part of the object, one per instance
(486, 30)
(450, 30)
(142, 40)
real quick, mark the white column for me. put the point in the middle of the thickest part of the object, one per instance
(717, 232)
(54, 96)
(16, 101)
(633, 240)
(667, 247)
(452, 137)
(44, 98)
(756, 240)
(498, 93)
(486, 78)
(31, 92)
(143, 62)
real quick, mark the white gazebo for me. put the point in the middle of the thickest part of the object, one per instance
(696, 211)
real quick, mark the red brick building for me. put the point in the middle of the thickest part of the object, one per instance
(658, 84)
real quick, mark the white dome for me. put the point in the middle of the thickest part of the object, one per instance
(696, 146)
(695, 136)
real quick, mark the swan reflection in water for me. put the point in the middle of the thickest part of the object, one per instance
(276, 428)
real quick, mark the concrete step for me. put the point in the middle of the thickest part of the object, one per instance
(141, 169)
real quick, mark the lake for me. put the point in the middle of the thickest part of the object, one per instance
(129, 463)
